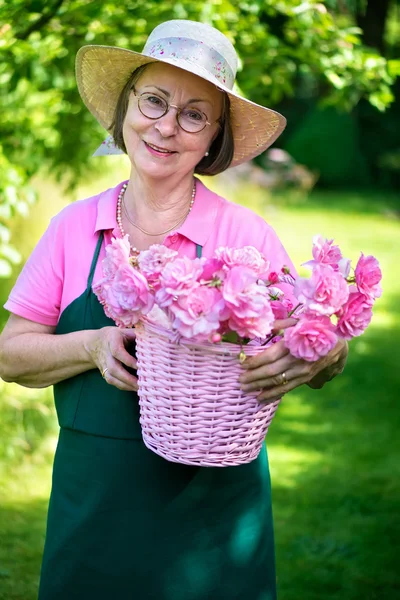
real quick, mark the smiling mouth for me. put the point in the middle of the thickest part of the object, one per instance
(158, 149)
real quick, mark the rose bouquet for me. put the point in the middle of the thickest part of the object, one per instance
(189, 316)
(333, 302)
(234, 296)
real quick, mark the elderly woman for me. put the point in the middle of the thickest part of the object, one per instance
(122, 521)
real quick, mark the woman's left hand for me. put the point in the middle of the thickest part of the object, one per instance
(275, 371)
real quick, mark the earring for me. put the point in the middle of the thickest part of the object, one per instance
(206, 154)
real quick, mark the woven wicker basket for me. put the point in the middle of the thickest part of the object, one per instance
(192, 409)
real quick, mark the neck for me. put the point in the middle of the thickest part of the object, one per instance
(157, 202)
(149, 217)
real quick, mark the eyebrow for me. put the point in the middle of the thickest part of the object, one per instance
(166, 93)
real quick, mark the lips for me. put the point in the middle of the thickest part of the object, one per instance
(159, 149)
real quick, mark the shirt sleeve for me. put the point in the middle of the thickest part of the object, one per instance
(273, 249)
(275, 252)
(37, 292)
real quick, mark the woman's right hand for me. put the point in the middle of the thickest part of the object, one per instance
(107, 348)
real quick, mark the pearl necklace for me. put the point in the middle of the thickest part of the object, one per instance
(121, 205)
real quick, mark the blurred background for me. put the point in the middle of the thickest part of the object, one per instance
(332, 68)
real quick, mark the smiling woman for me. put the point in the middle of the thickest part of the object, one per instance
(123, 522)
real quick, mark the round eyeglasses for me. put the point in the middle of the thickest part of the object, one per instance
(191, 120)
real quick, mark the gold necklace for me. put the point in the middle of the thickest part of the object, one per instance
(121, 202)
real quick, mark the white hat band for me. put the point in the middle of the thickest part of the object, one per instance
(194, 52)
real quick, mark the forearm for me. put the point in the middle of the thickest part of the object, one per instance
(39, 360)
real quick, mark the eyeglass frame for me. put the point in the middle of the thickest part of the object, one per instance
(178, 112)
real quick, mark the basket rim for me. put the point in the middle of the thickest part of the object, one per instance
(217, 348)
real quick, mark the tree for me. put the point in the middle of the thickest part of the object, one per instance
(45, 124)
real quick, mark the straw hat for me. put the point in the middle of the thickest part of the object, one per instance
(102, 72)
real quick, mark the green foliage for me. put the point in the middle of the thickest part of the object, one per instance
(340, 164)
(27, 418)
(285, 47)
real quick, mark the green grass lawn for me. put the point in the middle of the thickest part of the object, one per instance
(334, 453)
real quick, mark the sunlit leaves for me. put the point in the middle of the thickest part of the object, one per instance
(285, 46)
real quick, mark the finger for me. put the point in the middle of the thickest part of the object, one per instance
(119, 352)
(121, 385)
(129, 334)
(267, 370)
(272, 381)
(277, 392)
(280, 324)
(267, 356)
(119, 375)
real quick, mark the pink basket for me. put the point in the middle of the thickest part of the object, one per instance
(192, 409)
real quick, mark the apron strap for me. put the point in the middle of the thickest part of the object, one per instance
(199, 250)
(95, 259)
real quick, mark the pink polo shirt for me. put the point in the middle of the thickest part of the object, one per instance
(57, 271)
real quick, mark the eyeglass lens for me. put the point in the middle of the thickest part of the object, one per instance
(190, 119)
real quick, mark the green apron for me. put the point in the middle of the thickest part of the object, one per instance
(124, 523)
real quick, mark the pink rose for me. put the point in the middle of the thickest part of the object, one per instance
(158, 316)
(197, 313)
(281, 308)
(127, 297)
(177, 278)
(248, 256)
(100, 289)
(213, 270)
(368, 277)
(152, 261)
(248, 303)
(253, 327)
(311, 338)
(117, 254)
(324, 252)
(324, 293)
(355, 316)
(273, 277)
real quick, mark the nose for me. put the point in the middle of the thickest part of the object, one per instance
(168, 124)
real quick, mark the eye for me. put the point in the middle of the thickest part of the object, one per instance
(193, 114)
(155, 100)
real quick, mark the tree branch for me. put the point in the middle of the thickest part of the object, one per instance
(37, 25)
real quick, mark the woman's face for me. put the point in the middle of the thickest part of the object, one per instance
(160, 148)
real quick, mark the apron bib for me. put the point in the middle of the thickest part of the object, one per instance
(124, 523)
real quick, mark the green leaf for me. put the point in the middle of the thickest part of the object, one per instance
(10, 253)
(5, 268)
(337, 81)
(394, 68)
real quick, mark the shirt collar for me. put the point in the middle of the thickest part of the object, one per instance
(197, 226)
(107, 209)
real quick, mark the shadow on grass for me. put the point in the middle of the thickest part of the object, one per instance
(22, 529)
(336, 479)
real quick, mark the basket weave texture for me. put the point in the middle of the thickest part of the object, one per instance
(192, 410)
